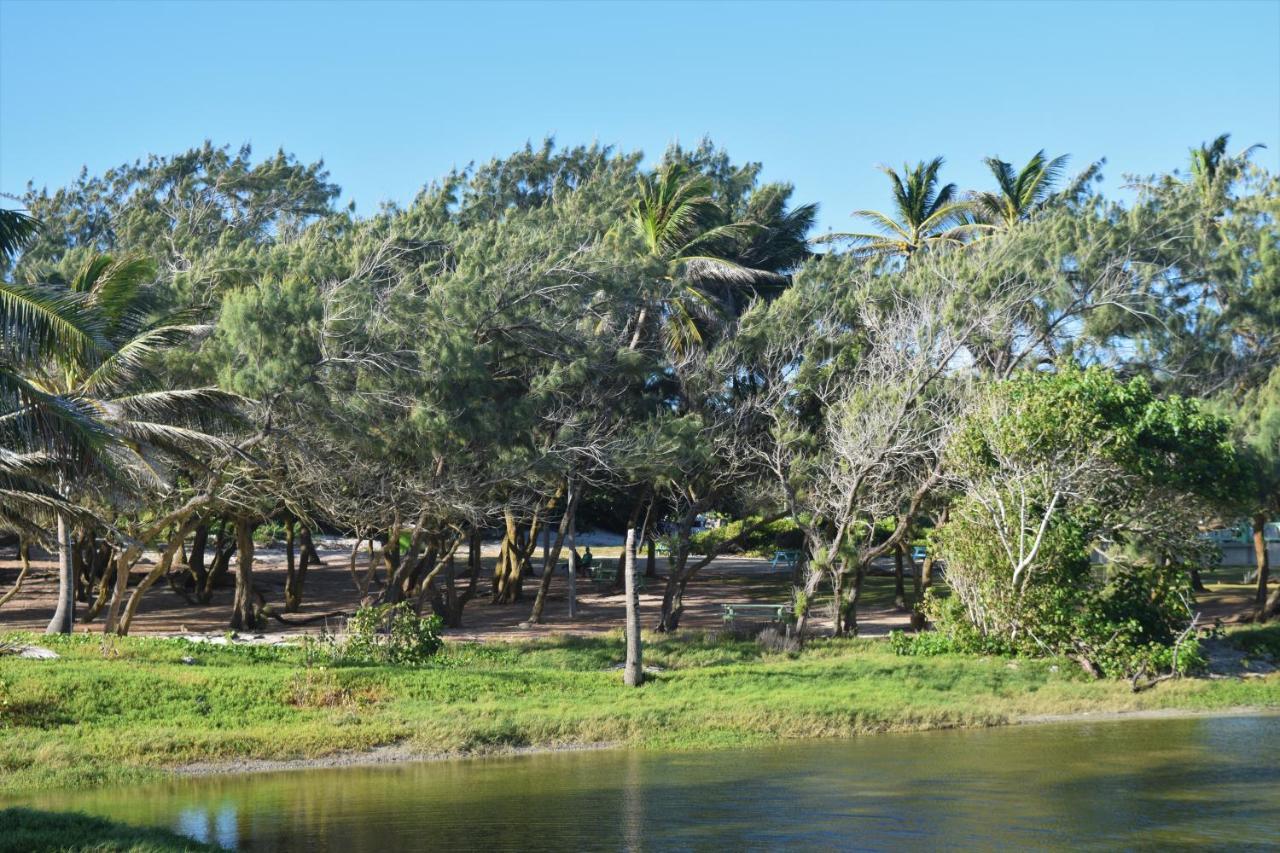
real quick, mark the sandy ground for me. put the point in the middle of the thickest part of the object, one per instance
(330, 588)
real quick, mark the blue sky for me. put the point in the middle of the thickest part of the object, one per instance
(392, 95)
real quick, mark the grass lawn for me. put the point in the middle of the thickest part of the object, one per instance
(130, 711)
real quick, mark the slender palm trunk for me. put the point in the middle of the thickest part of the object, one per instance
(64, 616)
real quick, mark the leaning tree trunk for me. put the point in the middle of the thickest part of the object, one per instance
(64, 616)
(243, 615)
(633, 673)
(24, 554)
(673, 590)
(1264, 567)
(553, 558)
(125, 558)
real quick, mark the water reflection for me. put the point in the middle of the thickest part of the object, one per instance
(1209, 782)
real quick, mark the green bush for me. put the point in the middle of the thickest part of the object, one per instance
(390, 633)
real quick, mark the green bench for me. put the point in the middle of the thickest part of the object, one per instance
(781, 613)
(604, 574)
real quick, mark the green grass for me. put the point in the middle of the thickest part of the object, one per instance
(131, 712)
(31, 831)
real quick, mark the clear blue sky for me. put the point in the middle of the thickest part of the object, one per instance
(393, 95)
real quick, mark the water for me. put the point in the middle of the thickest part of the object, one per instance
(1153, 784)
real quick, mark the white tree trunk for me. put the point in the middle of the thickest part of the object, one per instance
(65, 616)
(633, 673)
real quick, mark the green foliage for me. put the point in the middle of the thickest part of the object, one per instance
(1057, 466)
(268, 338)
(763, 539)
(390, 634)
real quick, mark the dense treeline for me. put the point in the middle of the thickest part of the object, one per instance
(197, 345)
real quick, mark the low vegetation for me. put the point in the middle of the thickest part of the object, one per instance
(77, 721)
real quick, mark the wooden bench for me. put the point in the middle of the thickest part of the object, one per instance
(781, 613)
(788, 558)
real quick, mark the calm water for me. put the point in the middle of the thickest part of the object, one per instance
(1211, 782)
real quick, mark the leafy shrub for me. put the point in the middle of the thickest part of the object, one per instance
(923, 644)
(390, 633)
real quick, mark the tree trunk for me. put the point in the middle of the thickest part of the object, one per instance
(224, 547)
(1264, 567)
(899, 581)
(296, 578)
(243, 615)
(550, 560)
(64, 616)
(24, 554)
(82, 567)
(195, 562)
(651, 560)
(125, 559)
(508, 571)
(633, 673)
(918, 620)
(847, 609)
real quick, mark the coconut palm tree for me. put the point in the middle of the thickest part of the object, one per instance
(1212, 169)
(925, 215)
(1020, 194)
(689, 246)
(96, 399)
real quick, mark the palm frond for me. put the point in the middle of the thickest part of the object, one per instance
(44, 321)
(17, 230)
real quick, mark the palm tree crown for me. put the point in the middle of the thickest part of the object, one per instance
(1019, 194)
(926, 215)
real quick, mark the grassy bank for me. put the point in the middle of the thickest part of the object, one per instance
(133, 711)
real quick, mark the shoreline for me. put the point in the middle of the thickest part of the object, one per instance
(399, 754)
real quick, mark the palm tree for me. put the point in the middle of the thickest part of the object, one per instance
(1019, 194)
(689, 244)
(149, 429)
(927, 215)
(1212, 169)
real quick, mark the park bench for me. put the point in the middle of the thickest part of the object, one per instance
(787, 558)
(773, 614)
(605, 574)
(768, 612)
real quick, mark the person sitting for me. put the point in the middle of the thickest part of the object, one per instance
(584, 564)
